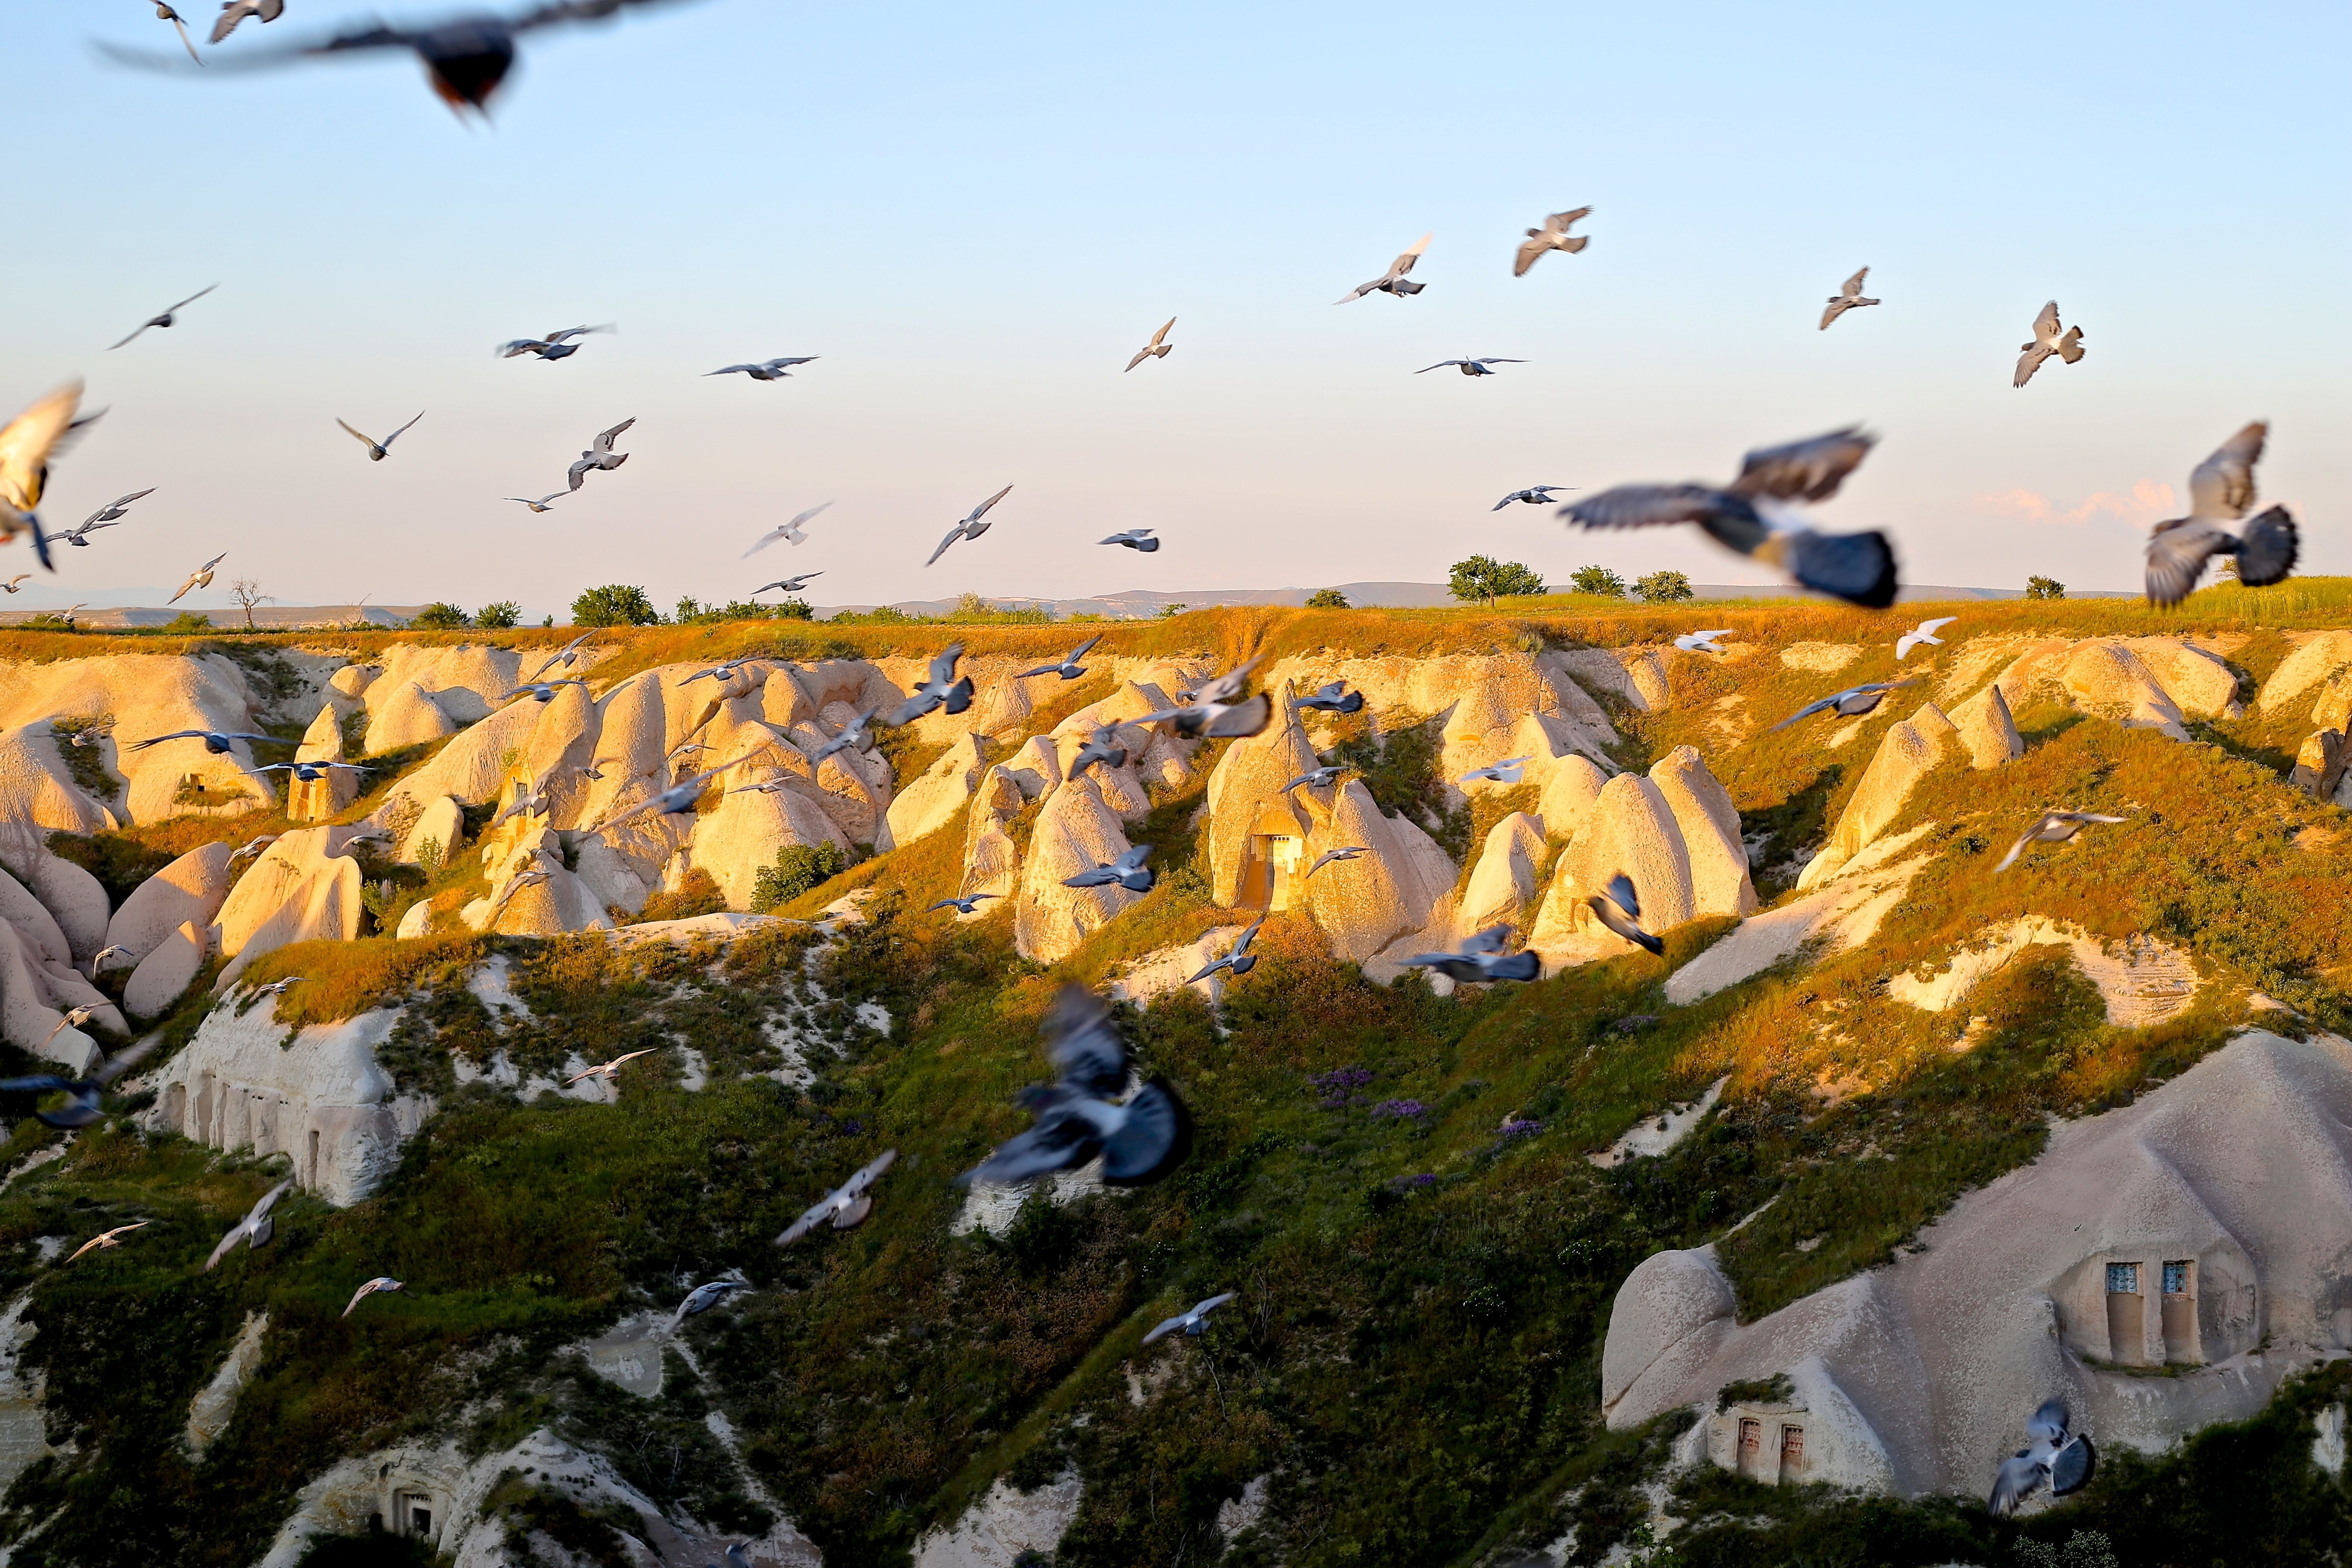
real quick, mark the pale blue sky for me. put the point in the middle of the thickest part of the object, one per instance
(976, 214)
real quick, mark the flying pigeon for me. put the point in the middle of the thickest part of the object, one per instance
(527, 801)
(702, 1297)
(1212, 714)
(380, 1282)
(73, 1019)
(1924, 632)
(679, 796)
(2219, 491)
(216, 741)
(846, 1205)
(2063, 1461)
(163, 13)
(13, 585)
(107, 1238)
(1068, 668)
(963, 903)
(1393, 282)
(1621, 911)
(98, 960)
(257, 845)
(788, 584)
(1129, 871)
(235, 11)
(92, 735)
(2047, 342)
(106, 516)
(790, 530)
(1850, 703)
(1138, 540)
(1079, 1117)
(1334, 698)
(80, 1108)
(544, 503)
(1101, 747)
(28, 443)
(255, 1229)
(858, 733)
(555, 345)
(1756, 516)
(1239, 960)
(1318, 778)
(378, 450)
(2054, 827)
(942, 689)
(310, 773)
(1193, 1321)
(1847, 298)
(1534, 495)
(724, 672)
(1553, 236)
(1469, 366)
(172, 315)
(766, 370)
(600, 458)
(972, 526)
(275, 988)
(1480, 960)
(202, 577)
(563, 656)
(541, 690)
(1346, 852)
(1156, 349)
(1505, 771)
(1702, 642)
(609, 1071)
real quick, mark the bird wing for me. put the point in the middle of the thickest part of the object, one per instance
(1803, 471)
(1559, 222)
(1404, 264)
(1647, 506)
(28, 440)
(2030, 361)
(1226, 687)
(237, 1233)
(1807, 711)
(604, 439)
(1059, 1141)
(2072, 1467)
(1498, 359)
(1161, 336)
(2177, 554)
(943, 664)
(1491, 940)
(367, 441)
(1926, 628)
(2048, 1424)
(2267, 548)
(1079, 652)
(1240, 720)
(1853, 286)
(1357, 292)
(1166, 1327)
(953, 534)
(395, 436)
(1441, 364)
(191, 298)
(174, 736)
(1620, 893)
(1152, 1141)
(2223, 484)
(2045, 327)
(1087, 1052)
(2028, 837)
(981, 510)
(2011, 1483)
(1835, 309)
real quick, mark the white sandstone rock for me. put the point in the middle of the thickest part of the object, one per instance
(167, 970)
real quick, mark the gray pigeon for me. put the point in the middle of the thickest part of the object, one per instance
(554, 346)
(1128, 871)
(1480, 959)
(1334, 698)
(788, 584)
(1193, 1321)
(1534, 495)
(1345, 852)
(963, 903)
(1321, 778)
(1553, 236)
(1505, 771)
(379, 451)
(216, 741)
(1212, 714)
(1135, 539)
(107, 516)
(1850, 703)
(82, 1095)
(255, 1229)
(1238, 958)
(1103, 747)
(1392, 282)
(1847, 298)
(1469, 366)
(857, 734)
(679, 796)
(767, 370)
(2054, 827)
(702, 1297)
(1139, 1137)
(1619, 910)
(172, 315)
(846, 1205)
(2219, 491)
(941, 689)
(600, 458)
(2063, 1461)
(1068, 668)
(972, 526)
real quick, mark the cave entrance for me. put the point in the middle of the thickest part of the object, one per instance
(1271, 874)
(2126, 1316)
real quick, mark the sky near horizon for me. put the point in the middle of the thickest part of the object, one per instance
(974, 215)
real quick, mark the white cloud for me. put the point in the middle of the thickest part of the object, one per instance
(2150, 501)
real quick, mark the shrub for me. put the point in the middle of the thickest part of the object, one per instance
(696, 894)
(798, 867)
(188, 621)
(1599, 581)
(86, 763)
(2044, 588)
(1174, 608)
(614, 605)
(1662, 588)
(1327, 599)
(440, 616)
(1481, 577)
(500, 615)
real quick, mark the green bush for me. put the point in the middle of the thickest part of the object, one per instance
(798, 867)
(614, 605)
(189, 621)
(1484, 578)
(440, 616)
(1662, 588)
(1599, 581)
(500, 615)
(1327, 599)
(2044, 588)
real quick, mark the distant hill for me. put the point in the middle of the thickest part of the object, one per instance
(1142, 604)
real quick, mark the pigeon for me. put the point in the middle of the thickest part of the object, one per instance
(15, 584)
(1193, 1322)
(1534, 495)
(788, 584)
(2219, 491)
(382, 1282)
(1553, 236)
(1469, 366)
(1620, 910)
(466, 58)
(679, 796)
(724, 672)
(600, 458)
(216, 741)
(275, 988)
(255, 847)
(1101, 747)
(255, 1229)
(80, 1108)
(73, 1019)
(541, 690)
(235, 11)
(1480, 959)
(1239, 960)
(378, 450)
(163, 13)
(1212, 714)
(2054, 827)
(766, 370)
(738, 1555)
(202, 577)
(1505, 771)
(1756, 515)
(790, 530)
(1334, 698)
(1847, 298)
(1392, 282)
(28, 443)
(1318, 778)
(608, 1071)
(107, 1238)
(972, 526)
(563, 656)
(544, 503)
(98, 960)
(92, 736)
(2064, 1461)
(1138, 540)
(1139, 1137)
(1850, 703)
(2047, 342)
(1068, 668)
(1345, 852)
(702, 1297)
(172, 315)
(1924, 632)
(1702, 642)
(555, 345)
(1128, 871)
(310, 773)
(942, 689)
(857, 733)
(527, 801)
(1156, 349)
(106, 516)
(963, 903)
(846, 1205)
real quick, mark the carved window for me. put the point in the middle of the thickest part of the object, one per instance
(2176, 1279)
(2122, 1279)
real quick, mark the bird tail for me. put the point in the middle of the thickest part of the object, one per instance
(855, 1215)
(960, 696)
(1154, 1140)
(2070, 347)
(2266, 550)
(1242, 719)
(1519, 966)
(1146, 546)
(41, 541)
(1856, 567)
(1405, 285)
(1576, 243)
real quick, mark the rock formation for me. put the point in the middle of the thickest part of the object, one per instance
(190, 891)
(1910, 751)
(991, 862)
(301, 888)
(1709, 825)
(1631, 830)
(323, 799)
(1247, 806)
(1988, 731)
(1074, 831)
(941, 794)
(1504, 878)
(170, 967)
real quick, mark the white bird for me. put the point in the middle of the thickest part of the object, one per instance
(1480, 959)
(1156, 349)
(15, 584)
(28, 443)
(1138, 540)
(563, 656)
(846, 1205)
(1620, 910)
(1924, 632)
(164, 13)
(1212, 714)
(275, 988)
(378, 450)
(1086, 1111)
(382, 1282)
(600, 458)
(1847, 298)
(790, 530)
(788, 584)
(72, 1020)
(607, 1071)
(257, 845)
(1505, 771)
(1553, 236)
(1318, 778)
(2063, 1461)
(1128, 871)
(1068, 668)
(172, 315)
(2219, 491)
(972, 526)
(2052, 827)
(702, 1297)
(255, 1228)
(107, 516)
(236, 11)
(1238, 958)
(555, 345)
(202, 577)
(1469, 366)
(2047, 340)
(107, 1238)
(858, 733)
(1193, 1321)
(1534, 495)
(544, 503)
(1345, 852)
(1852, 703)
(766, 370)
(1392, 282)
(1702, 642)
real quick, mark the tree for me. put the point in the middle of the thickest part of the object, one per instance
(2044, 588)
(614, 605)
(1598, 580)
(1481, 577)
(497, 617)
(1662, 588)
(440, 616)
(188, 621)
(1327, 599)
(248, 594)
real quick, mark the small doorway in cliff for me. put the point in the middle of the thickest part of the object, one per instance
(1749, 1458)
(412, 1514)
(2126, 1316)
(1792, 1454)
(1274, 859)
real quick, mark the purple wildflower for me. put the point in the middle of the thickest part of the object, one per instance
(1338, 1086)
(1520, 1127)
(1409, 1109)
